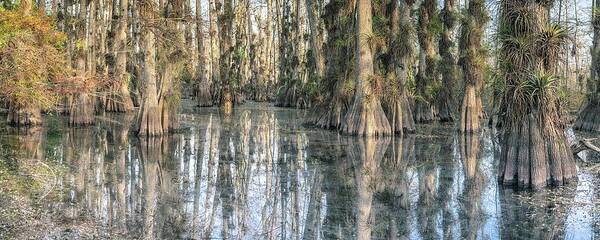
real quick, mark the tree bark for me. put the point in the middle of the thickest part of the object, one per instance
(316, 40)
(398, 109)
(365, 117)
(427, 62)
(215, 56)
(119, 99)
(472, 65)
(149, 117)
(588, 118)
(204, 97)
(82, 105)
(445, 100)
(535, 151)
(226, 23)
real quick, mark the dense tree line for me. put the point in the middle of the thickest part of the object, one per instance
(363, 67)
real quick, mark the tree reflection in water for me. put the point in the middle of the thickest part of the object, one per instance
(259, 174)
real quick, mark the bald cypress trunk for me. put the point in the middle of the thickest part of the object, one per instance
(316, 40)
(149, 118)
(472, 64)
(204, 97)
(226, 27)
(535, 150)
(426, 73)
(589, 117)
(215, 45)
(445, 100)
(81, 105)
(366, 116)
(398, 110)
(119, 99)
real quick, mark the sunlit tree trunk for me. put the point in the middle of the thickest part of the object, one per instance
(119, 100)
(316, 38)
(535, 150)
(226, 50)
(215, 56)
(445, 102)
(365, 117)
(472, 63)
(204, 97)
(149, 118)
(589, 117)
(81, 107)
(426, 73)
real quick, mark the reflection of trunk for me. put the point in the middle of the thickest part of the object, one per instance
(396, 182)
(589, 117)
(535, 149)
(366, 154)
(471, 200)
(119, 99)
(365, 117)
(150, 156)
(445, 99)
(121, 147)
(213, 135)
(472, 65)
(427, 181)
(427, 62)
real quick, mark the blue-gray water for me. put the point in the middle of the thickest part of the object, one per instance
(261, 174)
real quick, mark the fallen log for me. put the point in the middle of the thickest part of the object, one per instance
(584, 144)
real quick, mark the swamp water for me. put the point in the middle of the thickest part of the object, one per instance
(261, 174)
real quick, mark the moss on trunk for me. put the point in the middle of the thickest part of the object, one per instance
(426, 75)
(472, 64)
(366, 116)
(535, 151)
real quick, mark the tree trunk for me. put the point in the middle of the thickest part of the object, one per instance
(316, 40)
(535, 151)
(445, 100)
(41, 4)
(589, 117)
(427, 62)
(119, 99)
(215, 56)
(397, 106)
(472, 65)
(365, 117)
(19, 116)
(82, 105)
(204, 97)
(226, 23)
(26, 6)
(149, 118)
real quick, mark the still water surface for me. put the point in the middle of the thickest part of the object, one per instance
(261, 174)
